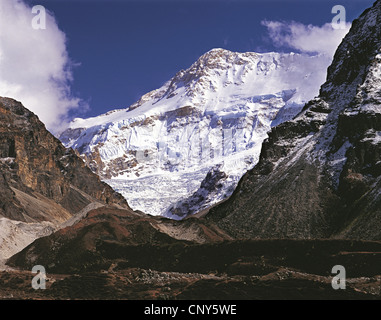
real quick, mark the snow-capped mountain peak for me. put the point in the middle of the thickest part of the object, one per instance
(215, 113)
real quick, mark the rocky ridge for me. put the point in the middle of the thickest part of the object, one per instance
(319, 174)
(42, 183)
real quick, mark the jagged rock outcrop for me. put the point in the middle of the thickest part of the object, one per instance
(211, 190)
(319, 174)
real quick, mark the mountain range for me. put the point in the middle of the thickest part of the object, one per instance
(309, 200)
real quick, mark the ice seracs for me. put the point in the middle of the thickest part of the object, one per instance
(215, 113)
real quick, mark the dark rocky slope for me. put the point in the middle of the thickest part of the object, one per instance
(108, 235)
(41, 180)
(319, 174)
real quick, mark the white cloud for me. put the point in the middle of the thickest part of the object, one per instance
(318, 43)
(34, 64)
(306, 38)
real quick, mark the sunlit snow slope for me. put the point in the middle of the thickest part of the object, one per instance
(210, 118)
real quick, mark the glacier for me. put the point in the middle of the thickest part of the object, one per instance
(209, 118)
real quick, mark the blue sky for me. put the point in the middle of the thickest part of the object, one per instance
(123, 49)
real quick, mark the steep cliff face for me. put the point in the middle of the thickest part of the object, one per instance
(319, 174)
(41, 180)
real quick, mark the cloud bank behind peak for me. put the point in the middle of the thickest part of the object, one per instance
(306, 38)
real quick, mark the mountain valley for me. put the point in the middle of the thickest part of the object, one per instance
(271, 190)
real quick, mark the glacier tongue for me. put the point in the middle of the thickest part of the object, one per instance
(157, 152)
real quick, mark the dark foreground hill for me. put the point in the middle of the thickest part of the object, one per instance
(118, 254)
(168, 269)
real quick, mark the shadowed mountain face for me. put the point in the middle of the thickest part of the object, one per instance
(42, 184)
(319, 174)
(36, 167)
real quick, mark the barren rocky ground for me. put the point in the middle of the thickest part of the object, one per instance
(143, 284)
(228, 270)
